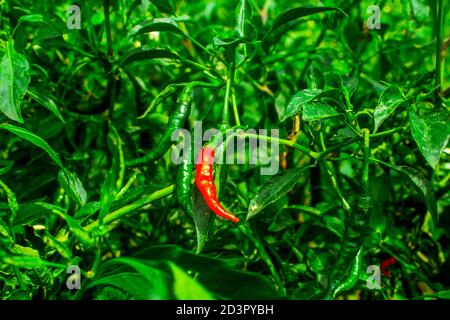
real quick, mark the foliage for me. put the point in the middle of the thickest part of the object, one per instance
(78, 104)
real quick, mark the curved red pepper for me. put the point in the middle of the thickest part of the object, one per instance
(385, 264)
(204, 180)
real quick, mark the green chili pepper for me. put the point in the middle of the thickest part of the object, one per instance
(176, 121)
(184, 183)
(345, 272)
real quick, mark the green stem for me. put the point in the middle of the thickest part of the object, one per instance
(329, 168)
(132, 206)
(199, 66)
(393, 167)
(438, 75)
(387, 132)
(235, 109)
(198, 44)
(106, 6)
(291, 144)
(366, 156)
(264, 256)
(337, 147)
(226, 111)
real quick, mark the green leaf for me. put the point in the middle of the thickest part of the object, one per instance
(243, 16)
(273, 189)
(33, 18)
(25, 262)
(34, 139)
(60, 247)
(318, 260)
(314, 111)
(47, 102)
(282, 220)
(423, 187)
(445, 294)
(131, 284)
(164, 6)
(107, 193)
(5, 166)
(152, 25)
(431, 133)
(14, 79)
(80, 234)
(72, 186)
(186, 288)
(203, 219)
(87, 210)
(152, 280)
(12, 201)
(231, 42)
(214, 274)
(114, 178)
(389, 100)
(380, 195)
(300, 99)
(30, 212)
(141, 54)
(297, 13)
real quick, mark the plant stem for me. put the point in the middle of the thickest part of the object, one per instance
(334, 182)
(438, 74)
(198, 44)
(291, 144)
(337, 147)
(386, 133)
(264, 256)
(235, 109)
(106, 6)
(226, 111)
(132, 206)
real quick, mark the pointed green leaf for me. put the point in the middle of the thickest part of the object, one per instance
(431, 133)
(164, 6)
(12, 201)
(297, 13)
(306, 96)
(152, 25)
(14, 79)
(423, 187)
(203, 219)
(389, 100)
(243, 16)
(5, 166)
(33, 18)
(273, 189)
(141, 54)
(185, 287)
(80, 234)
(34, 139)
(47, 102)
(298, 100)
(314, 111)
(72, 186)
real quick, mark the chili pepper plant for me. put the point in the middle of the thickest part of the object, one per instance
(96, 98)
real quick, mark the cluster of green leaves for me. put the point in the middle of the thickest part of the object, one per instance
(76, 104)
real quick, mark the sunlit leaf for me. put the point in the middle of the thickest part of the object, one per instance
(14, 79)
(431, 133)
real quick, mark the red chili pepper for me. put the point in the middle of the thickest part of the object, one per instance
(204, 180)
(385, 264)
